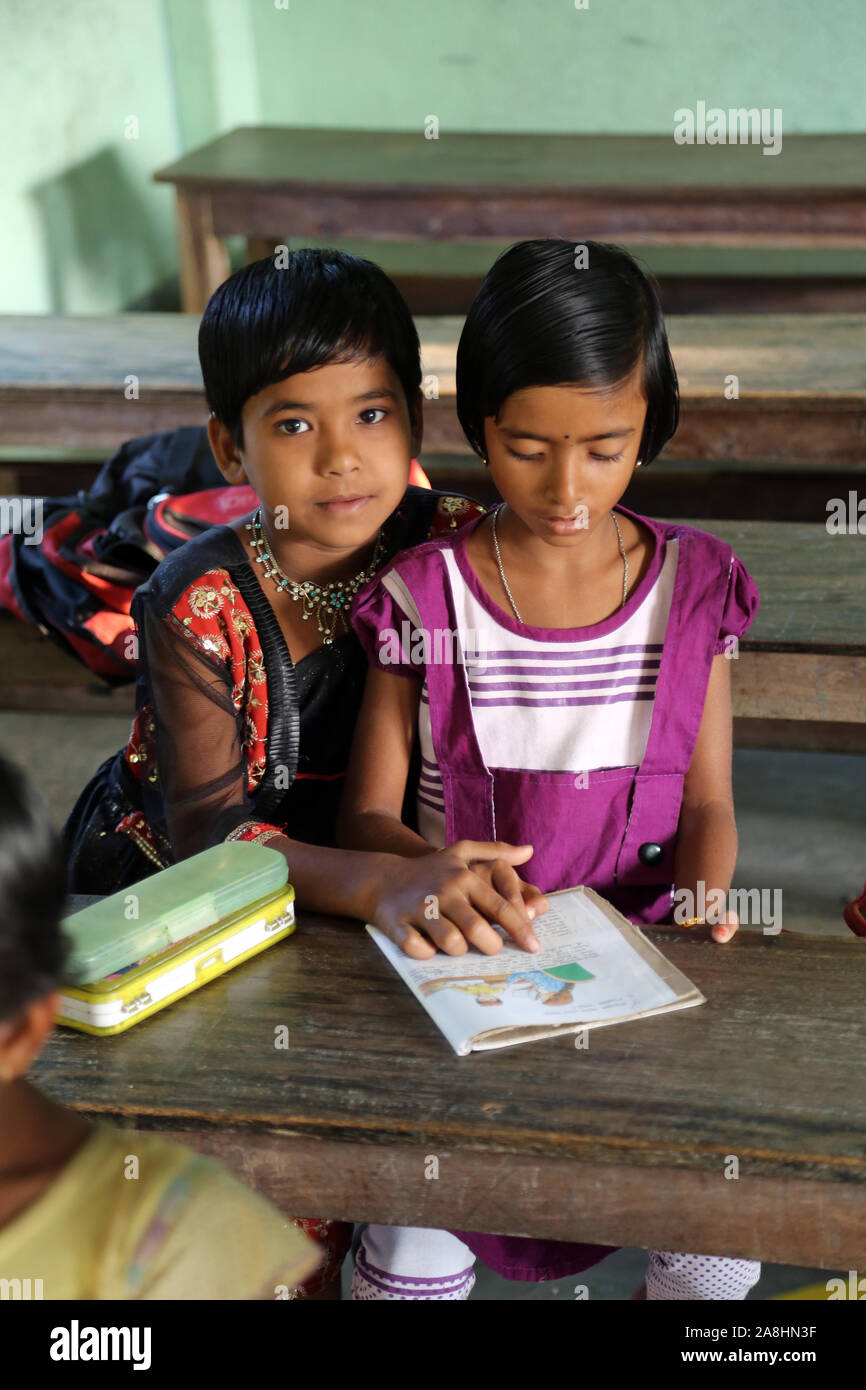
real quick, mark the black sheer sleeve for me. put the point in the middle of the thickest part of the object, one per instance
(198, 791)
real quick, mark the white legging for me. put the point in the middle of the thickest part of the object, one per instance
(399, 1262)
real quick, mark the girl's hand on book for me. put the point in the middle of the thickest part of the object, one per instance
(439, 896)
(502, 876)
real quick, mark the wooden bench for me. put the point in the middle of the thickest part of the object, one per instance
(802, 385)
(271, 182)
(626, 1143)
(798, 681)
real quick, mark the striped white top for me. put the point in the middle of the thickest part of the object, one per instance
(540, 703)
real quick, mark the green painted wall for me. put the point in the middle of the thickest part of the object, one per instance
(83, 229)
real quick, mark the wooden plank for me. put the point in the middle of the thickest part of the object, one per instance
(624, 1142)
(740, 432)
(799, 361)
(746, 294)
(674, 488)
(607, 1205)
(813, 586)
(97, 420)
(497, 162)
(429, 293)
(63, 381)
(814, 218)
(36, 674)
(95, 353)
(806, 736)
(825, 689)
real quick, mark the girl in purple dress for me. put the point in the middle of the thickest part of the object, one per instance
(563, 664)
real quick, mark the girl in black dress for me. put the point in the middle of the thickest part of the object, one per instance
(249, 677)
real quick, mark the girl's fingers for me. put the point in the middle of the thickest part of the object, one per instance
(486, 849)
(722, 931)
(727, 928)
(526, 897)
(497, 909)
(505, 880)
(473, 928)
(445, 932)
(411, 942)
(535, 900)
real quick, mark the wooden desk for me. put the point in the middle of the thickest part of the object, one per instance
(802, 384)
(624, 1143)
(272, 182)
(804, 657)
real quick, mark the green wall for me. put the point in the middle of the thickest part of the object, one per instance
(84, 230)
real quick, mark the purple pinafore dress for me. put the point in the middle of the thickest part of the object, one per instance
(617, 833)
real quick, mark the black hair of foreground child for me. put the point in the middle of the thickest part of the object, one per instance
(32, 894)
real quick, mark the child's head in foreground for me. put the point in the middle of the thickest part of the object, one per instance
(312, 371)
(32, 899)
(565, 378)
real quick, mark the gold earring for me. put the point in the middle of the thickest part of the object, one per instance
(639, 462)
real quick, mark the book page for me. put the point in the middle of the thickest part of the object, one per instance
(587, 971)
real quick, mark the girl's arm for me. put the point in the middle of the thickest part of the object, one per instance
(370, 819)
(203, 785)
(379, 767)
(707, 839)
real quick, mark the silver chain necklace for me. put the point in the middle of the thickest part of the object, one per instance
(505, 581)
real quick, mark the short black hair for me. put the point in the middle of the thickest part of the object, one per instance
(551, 312)
(264, 324)
(32, 894)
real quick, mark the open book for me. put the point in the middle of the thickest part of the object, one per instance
(594, 968)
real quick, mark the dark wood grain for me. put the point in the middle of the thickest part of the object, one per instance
(802, 384)
(815, 217)
(812, 584)
(36, 674)
(625, 1142)
(364, 160)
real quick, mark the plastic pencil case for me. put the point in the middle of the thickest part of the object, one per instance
(123, 999)
(170, 906)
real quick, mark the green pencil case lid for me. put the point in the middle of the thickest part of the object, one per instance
(168, 906)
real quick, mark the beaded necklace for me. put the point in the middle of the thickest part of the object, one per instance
(319, 599)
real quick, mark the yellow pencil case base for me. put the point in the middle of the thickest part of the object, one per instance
(113, 1005)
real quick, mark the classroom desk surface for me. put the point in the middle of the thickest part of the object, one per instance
(632, 1141)
(273, 182)
(93, 381)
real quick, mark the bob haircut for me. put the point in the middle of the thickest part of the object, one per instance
(538, 320)
(264, 324)
(32, 894)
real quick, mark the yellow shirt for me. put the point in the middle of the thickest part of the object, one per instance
(183, 1228)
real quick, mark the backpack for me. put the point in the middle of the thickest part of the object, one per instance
(76, 585)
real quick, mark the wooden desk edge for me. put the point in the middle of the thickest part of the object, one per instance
(784, 1221)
